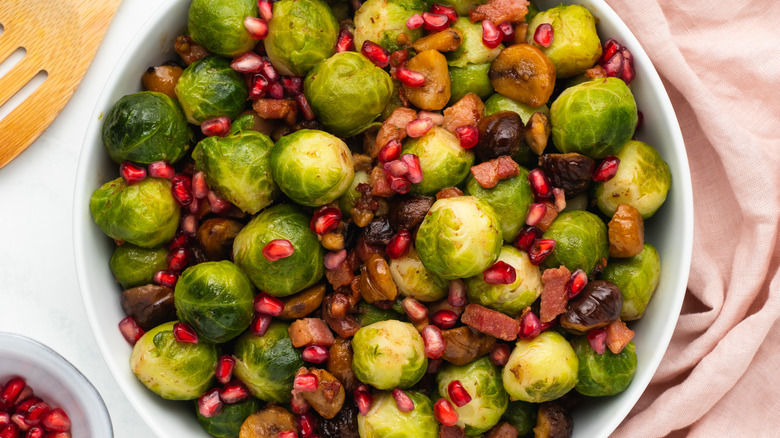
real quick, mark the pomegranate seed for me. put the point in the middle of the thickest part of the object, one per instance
(12, 390)
(363, 400)
(288, 434)
(445, 413)
(35, 413)
(449, 11)
(132, 173)
(399, 185)
(396, 168)
(468, 135)
(225, 366)
(536, 213)
(627, 73)
(260, 323)
(257, 27)
(598, 340)
(560, 199)
(258, 87)
(614, 66)
(415, 173)
(268, 304)
(491, 36)
(200, 189)
(640, 117)
(35, 432)
(436, 118)
(181, 189)
(299, 404)
(345, 41)
(5, 417)
(278, 249)
(270, 72)
(499, 354)
(390, 151)
(434, 365)
(507, 31)
(435, 22)
(456, 296)
(305, 382)
(414, 309)
(266, 9)
(433, 342)
(28, 400)
(543, 35)
(56, 420)
(500, 273)
(540, 250)
(234, 392)
(189, 223)
(249, 62)
(526, 238)
(418, 128)
(530, 326)
(610, 48)
(209, 404)
(334, 259)
(375, 53)
(18, 420)
(399, 244)
(218, 126)
(130, 330)
(10, 431)
(577, 282)
(178, 259)
(184, 333)
(410, 78)
(414, 22)
(540, 184)
(444, 319)
(607, 169)
(325, 220)
(276, 91)
(403, 401)
(307, 425)
(315, 354)
(161, 169)
(458, 394)
(293, 85)
(166, 278)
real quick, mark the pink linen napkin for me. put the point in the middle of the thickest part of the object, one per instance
(720, 62)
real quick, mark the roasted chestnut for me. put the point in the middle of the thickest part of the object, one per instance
(303, 303)
(626, 232)
(500, 134)
(553, 421)
(465, 345)
(216, 236)
(571, 172)
(149, 305)
(409, 211)
(595, 307)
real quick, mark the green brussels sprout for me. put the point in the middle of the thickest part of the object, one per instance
(312, 167)
(533, 9)
(300, 34)
(146, 127)
(227, 423)
(595, 118)
(444, 163)
(471, 50)
(388, 354)
(521, 415)
(218, 25)
(575, 46)
(394, 102)
(642, 181)
(347, 92)
(267, 364)
(581, 241)
(144, 214)
(133, 266)
(288, 275)
(171, 369)
(606, 373)
(239, 168)
(482, 380)
(384, 420)
(636, 277)
(210, 88)
(462, 7)
(542, 369)
(473, 78)
(349, 198)
(460, 237)
(509, 199)
(383, 21)
(508, 298)
(215, 299)
(498, 102)
(368, 314)
(415, 281)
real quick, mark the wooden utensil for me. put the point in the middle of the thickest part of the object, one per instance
(60, 38)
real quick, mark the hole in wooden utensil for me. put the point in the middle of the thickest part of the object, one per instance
(12, 60)
(23, 94)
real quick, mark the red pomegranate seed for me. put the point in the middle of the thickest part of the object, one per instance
(500, 273)
(468, 135)
(181, 239)
(418, 128)
(234, 392)
(257, 27)
(325, 220)
(491, 36)
(161, 169)
(628, 74)
(375, 53)
(499, 354)
(178, 259)
(218, 126)
(577, 282)
(540, 250)
(415, 174)
(305, 382)
(560, 199)
(403, 401)
(266, 9)
(260, 323)
(268, 304)
(399, 244)
(278, 249)
(181, 189)
(540, 184)
(614, 65)
(445, 413)
(209, 404)
(334, 259)
(56, 420)
(610, 48)
(9, 431)
(530, 326)
(414, 22)
(456, 296)
(436, 118)
(390, 151)
(536, 213)
(526, 238)
(189, 223)
(299, 404)
(270, 72)
(543, 35)
(225, 366)
(18, 420)
(410, 78)
(276, 91)
(363, 400)
(444, 319)
(130, 330)
(293, 85)
(640, 117)
(249, 62)
(345, 41)
(399, 185)
(414, 309)
(184, 333)
(11, 391)
(304, 106)
(35, 413)
(507, 31)
(307, 425)
(433, 342)
(5, 418)
(28, 399)
(315, 354)
(607, 169)
(258, 87)
(449, 11)
(598, 340)
(36, 432)
(396, 168)
(435, 22)
(132, 173)
(166, 278)
(288, 434)
(200, 189)
(458, 394)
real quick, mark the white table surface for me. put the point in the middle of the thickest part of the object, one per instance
(39, 293)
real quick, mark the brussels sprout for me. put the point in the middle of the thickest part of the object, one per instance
(218, 25)
(521, 415)
(215, 299)
(239, 168)
(444, 163)
(300, 34)
(388, 354)
(642, 181)
(368, 314)
(267, 364)
(144, 214)
(508, 298)
(349, 198)
(288, 275)
(383, 21)
(533, 9)
(460, 237)
(594, 118)
(347, 92)
(498, 102)
(580, 241)
(473, 78)
(471, 49)
(636, 277)
(210, 88)
(542, 369)
(575, 46)
(171, 369)
(384, 420)
(227, 423)
(415, 281)
(509, 199)
(462, 7)
(341, 9)
(606, 373)
(312, 167)
(133, 266)
(482, 380)
(146, 127)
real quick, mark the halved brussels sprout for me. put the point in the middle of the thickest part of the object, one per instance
(595, 118)
(267, 364)
(415, 281)
(521, 415)
(482, 380)
(171, 369)
(218, 25)
(146, 127)
(384, 420)
(284, 276)
(388, 354)
(347, 92)
(460, 237)
(509, 199)
(368, 314)
(312, 167)
(471, 49)
(349, 198)
(498, 102)
(133, 266)
(575, 46)
(210, 88)
(606, 373)
(444, 163)
(637, 278)
(581, 241)
(227, 423)
(508, 298)
(542, 369)
(472, 78)
(642, 181)
(383, 21)
(144, 214)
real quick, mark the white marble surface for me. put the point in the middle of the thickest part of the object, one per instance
(39, 293)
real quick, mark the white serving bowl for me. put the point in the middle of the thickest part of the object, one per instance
(670, 230)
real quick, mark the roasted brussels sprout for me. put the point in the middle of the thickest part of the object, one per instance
(580, 241)
(471, 49)
(383, 21)
(472, 78)
(459, 238)
(521, 415)
(218, 25)
(636, 277)
(133, 266)
(596, 306)
(499, 102)
(575, 46)
(542, 369)
(642, 181)
(144, 214)
(368, 314)
(388, 354)
(508, 298)
(284, 276)
(146, 127)
(171, 369)
(415, 281)
(210, 88)
(444, 163)
(509, 199)
(384, 420)
(351, 195)
(227, 423)
(606, 373)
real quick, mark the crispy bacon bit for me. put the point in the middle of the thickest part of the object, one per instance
(491, 322)
(499, 11)
(449, 192)
(489, 173)
(346, 327)
(310, 331)
(451, 432)
(503, 430)
(549, 216)
(554, 295)
(380, 185)
(466, 111)
(393, 128)
(618, 336)
(277, 109)
(341, 276)
(596, 72)
(189, 50)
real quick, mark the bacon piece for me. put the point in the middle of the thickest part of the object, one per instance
(451, 432)
(549, 216)
(507, 168)
(449, 192)
(596, 72)
(490, 322)
(554, 295)
(499, 11)
(489, 173)
(189, 50)
(277, 109)
(467, 111)
(503, 430)
(346, 327)
(380, 185)
(341, 276)
(618, 336)
(310, 331)
(393, 128)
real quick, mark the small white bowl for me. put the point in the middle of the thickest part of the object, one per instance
(57, 382)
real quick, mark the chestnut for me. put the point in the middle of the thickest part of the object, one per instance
(595, 307)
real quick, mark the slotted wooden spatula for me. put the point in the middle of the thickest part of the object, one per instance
(60, 38)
